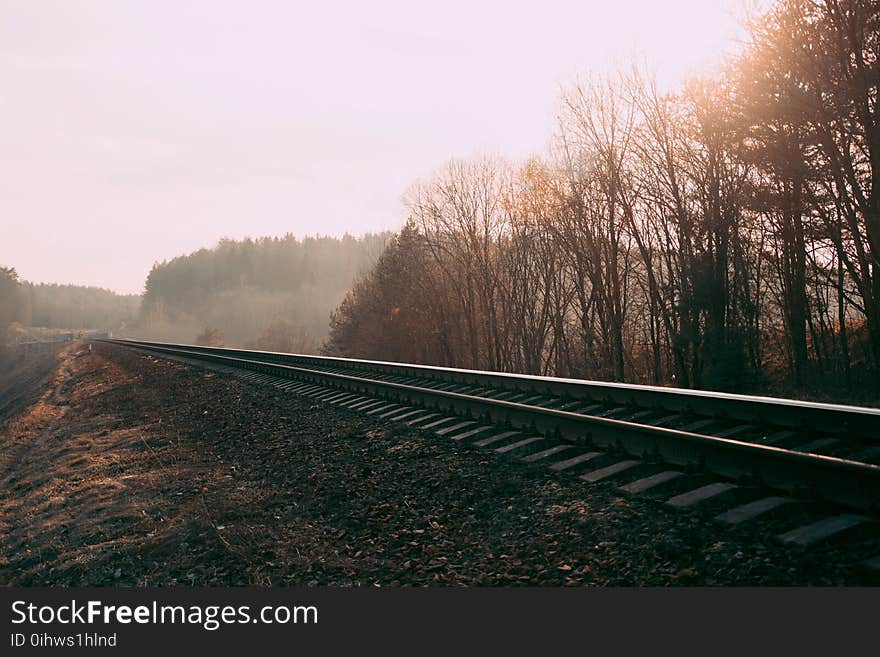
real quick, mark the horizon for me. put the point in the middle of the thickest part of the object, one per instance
(264, 123)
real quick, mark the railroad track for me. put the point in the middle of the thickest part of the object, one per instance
(746, 457)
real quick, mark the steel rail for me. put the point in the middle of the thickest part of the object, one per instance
(784, 413)
(850, 483)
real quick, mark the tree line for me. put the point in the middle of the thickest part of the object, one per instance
(77, 306)
(267, 293)
(725, 235)
(62, 306)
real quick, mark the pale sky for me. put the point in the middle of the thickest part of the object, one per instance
(133, 131)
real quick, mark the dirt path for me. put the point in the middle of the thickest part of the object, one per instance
(133, 471)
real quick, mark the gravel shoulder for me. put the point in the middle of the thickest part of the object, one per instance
(134, 471)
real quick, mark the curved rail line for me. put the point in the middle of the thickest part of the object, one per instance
(581, 412)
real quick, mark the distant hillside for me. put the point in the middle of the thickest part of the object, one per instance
(270, 292)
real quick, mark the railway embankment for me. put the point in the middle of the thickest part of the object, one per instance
(131, 470)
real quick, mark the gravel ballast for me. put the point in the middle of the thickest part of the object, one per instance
(137, 471)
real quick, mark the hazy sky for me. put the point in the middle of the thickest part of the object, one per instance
(133, 131)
